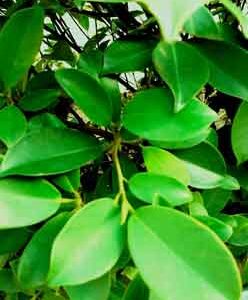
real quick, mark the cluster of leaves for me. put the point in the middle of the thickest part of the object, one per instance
(124, 143)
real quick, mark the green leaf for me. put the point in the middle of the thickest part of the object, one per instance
(238, 13)
(88, 94)
(136, 290)
(172, 14)
(38, 100)
(34, 264)
(156, 120)
(20, 40)
(45, 120)
(215, 200)
(240, 234)
(96, 224)
(50, 151)
(186, 252)
(69, 182)
(17, 196)
(162, 162)
(223, 230)
(91, 62)
(128, 56)
(202, 24)
(240, 134)
(151, 187)
(205, 165)
(92, 290)
(183, 69)
(11, 240)
(226, 74)
(8, 283)
(13, 125)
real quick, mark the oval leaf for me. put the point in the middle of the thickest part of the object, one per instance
(17, 196)
(50, 151)
(75, 255)
(20, 40)
(151, 115)
(186, 251)
(88, 94)
(151, 187)
(183, 69)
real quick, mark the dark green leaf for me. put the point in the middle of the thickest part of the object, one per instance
(11, 240)
(8, 283)
(136, 290)
(50, 151)
(215, 200)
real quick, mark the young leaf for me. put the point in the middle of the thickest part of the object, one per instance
(156, 120)
(17, 196)
(202, 24)
(13, 125)
(183, 69)
(151, 187)
(228, 75)
(128, 56)
(38, 100)
(205, 165)
(20, 40)
(98, 223)
(240, 134)
(162, 162)
(50, 151)
(92, 290)
(172, 14)
(34, 264)
(184, 251)
(88, 94)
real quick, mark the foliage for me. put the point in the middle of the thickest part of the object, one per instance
(124, 150)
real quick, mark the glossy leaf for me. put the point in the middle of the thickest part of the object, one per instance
(151, 187)
(128, 56)
(205, 165)
(92, 290)
(98, 223)
(34, 264)
(202, 24)
(183, 69)
(38, 100)
(11, 240)
(17, 196)
(162, 162)
(64, 150)
(91, 62)
(20, 40)
(13, 125)
(240, 134)
(211, 274)
(88, 94)
(156, 121)
(228, 75)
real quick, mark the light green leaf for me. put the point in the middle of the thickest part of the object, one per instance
(69, 182)
(38, 100)
(150, 114)
(96, 224)
(205, 165)
(35, 260)
(186, 252)
(240, 234)
(202, 24)
(183, 69)
(88, 94)
(128, 56)
(240, 134)
(17, 196)
(151, 188)
(92, 290)
(13, 125)
(228, 75)
(20, 40)
(50, 151)
(172, 14)
(162, 162)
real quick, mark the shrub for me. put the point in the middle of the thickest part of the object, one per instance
(124, 143)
